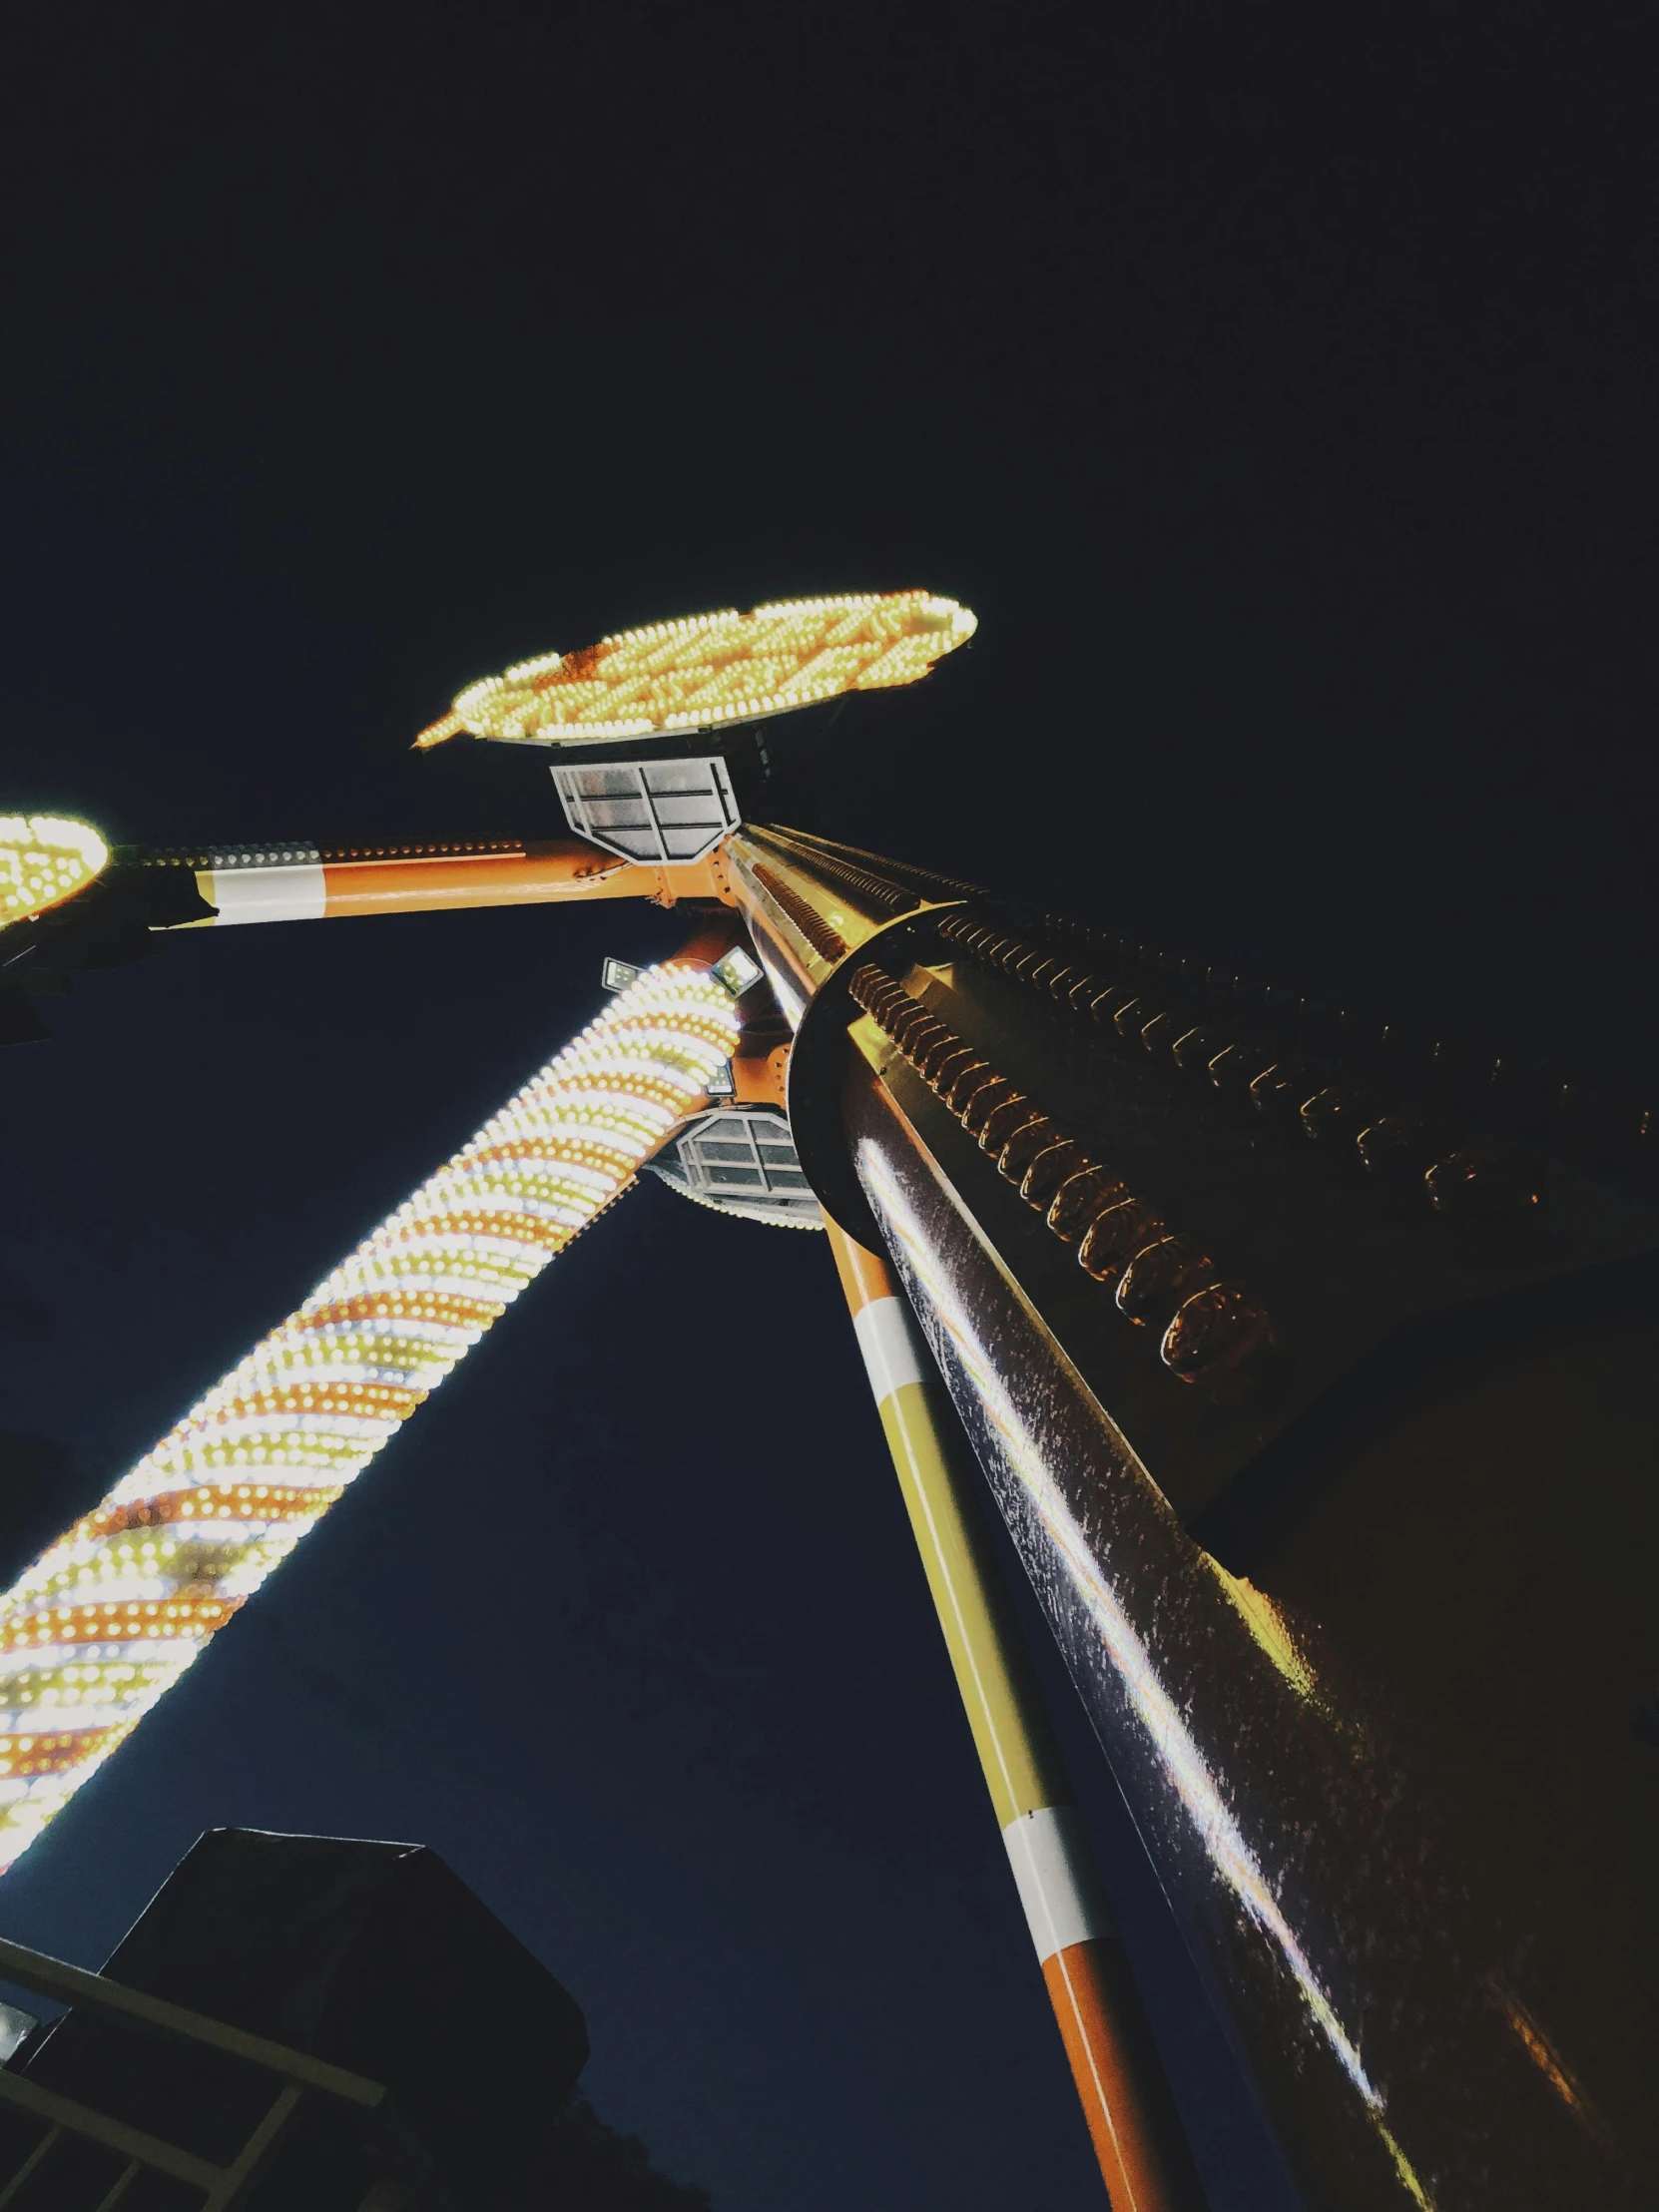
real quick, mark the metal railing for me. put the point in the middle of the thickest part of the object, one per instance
(298, 2077)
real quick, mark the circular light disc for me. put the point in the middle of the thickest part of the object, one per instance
(707, 671)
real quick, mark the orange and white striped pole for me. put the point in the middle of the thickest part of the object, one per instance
(1144, 2161)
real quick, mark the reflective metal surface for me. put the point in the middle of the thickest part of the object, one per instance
(1310, 1366)
(1405, 2053)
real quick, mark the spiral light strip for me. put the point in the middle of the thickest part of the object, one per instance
(110, 1617)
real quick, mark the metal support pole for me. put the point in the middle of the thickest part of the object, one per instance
(1144, 2161)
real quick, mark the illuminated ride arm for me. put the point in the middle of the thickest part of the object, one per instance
(112, 1614)
(297, 880)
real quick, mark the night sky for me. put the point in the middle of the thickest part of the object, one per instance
(1280, 395)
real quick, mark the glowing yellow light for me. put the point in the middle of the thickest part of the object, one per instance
(1268, 1625)
(712, 670)
(44, 859)
(108, 1619)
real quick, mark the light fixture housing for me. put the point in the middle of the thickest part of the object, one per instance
(616, 975)
(740, 971)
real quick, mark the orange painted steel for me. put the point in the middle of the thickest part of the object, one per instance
(762, 1079)
(1108, 2045)
(537, 874)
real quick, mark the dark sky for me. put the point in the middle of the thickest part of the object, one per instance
(1280, 394)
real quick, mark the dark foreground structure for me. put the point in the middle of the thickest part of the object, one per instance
(300, 2024)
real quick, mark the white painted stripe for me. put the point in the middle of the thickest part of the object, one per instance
(1050, 1858)
(267, 895)
(884, 1338)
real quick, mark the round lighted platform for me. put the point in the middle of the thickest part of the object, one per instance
(708, 671)
(43, 860)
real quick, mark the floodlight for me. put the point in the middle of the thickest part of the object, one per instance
(738, 971)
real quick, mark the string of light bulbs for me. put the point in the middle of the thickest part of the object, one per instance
(109, 1618)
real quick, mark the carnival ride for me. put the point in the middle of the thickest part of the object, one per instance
(1228, 1476)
